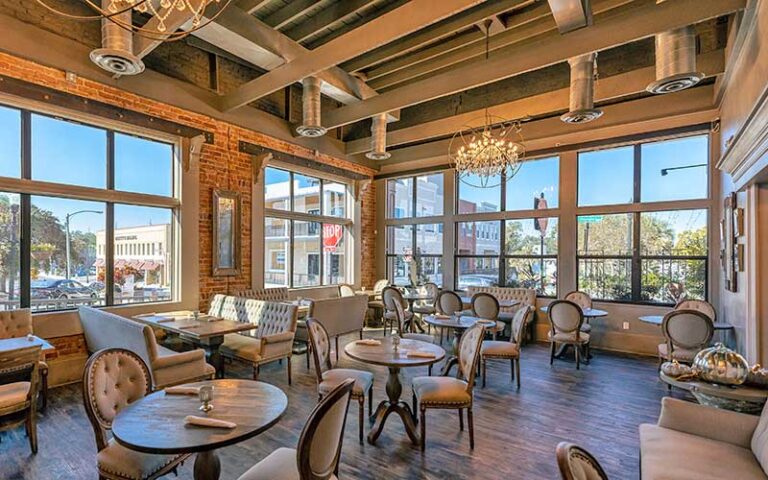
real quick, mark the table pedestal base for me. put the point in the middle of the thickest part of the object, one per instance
(393, 405)
(207, 466)
(211, 346)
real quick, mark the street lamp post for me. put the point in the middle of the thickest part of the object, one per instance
(66, 226)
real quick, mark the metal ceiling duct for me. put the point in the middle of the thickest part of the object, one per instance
(116, 52)
(582, 101)
(675, 61)
(310, 108)
(379, 138)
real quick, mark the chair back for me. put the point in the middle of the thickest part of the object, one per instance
(581, 299)
(449, 302)
(380, 285)
(320, 342)
(340, 315)
(113, 378)
(15, 323)
(271, 318)
(469, 353)
(519, 321)
(234, 309)
(575, 463)
(217, 302)
(485, 306)
(700, 306)
(689, 329)
(321, 439)
(346, 291)
(20, 365)
(432, 290)
(104, 330)
(393, 302)
(565, 317)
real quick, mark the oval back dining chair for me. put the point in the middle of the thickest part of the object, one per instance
(583, 300)
(329, 378)
(575, 463)
(566, 319)
(19, 373)
(319, 450)
(508, 350)
(346, 290)
(449, 303)
(686, 332)
(18, 323)
(486, 306)
(700, 306)
(394, 304)
(427, 307)
(113, 379)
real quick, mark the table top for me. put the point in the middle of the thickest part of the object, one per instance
(370, 293)
(8, 344)
(502, 303)
(588, 312)
(183, 323)
(155, 423)
(385, 355)
(417, 296)
(740, 392)
(658, 319)
(462, 321)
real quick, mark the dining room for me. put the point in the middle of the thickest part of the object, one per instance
(383, 239)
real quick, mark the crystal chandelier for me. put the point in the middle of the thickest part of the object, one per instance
(487, 155)
(161, 10)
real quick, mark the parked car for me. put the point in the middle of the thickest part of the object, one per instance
(61, 288)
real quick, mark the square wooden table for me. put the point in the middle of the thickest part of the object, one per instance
(206, 331)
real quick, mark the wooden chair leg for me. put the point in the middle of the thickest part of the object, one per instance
(461, 419)
(361, 334)
(44, 389)
(32, 429)
(256, 372)
(361, 417)
(484, 362)
(551, 353)
(337, 349)
(309, 352)
(429, 370)
(370, 401)
(576, 350)
(423, 421)
(413, 404)
(517, 371)
(289, 370)
(471, 429)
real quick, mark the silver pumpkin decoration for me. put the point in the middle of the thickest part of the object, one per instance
(720, 364)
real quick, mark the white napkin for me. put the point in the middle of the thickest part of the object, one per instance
(486, 322)
(368, 341)
(420, 354)
(208, 422)
(165, 320)
(182, 390)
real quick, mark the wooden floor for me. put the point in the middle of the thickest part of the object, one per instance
(599, 407)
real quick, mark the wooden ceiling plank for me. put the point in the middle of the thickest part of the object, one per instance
(690, 104)
(520, 28)
(251, 6)
(397, 23)
(554, 102)
(612, 30)
(285, 15)
(324, 18)
(432, 34)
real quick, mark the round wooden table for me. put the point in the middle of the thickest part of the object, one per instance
(155, 423)
(458, 323)
(386, 356)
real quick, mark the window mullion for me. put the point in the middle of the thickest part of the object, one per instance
(109, 234)
(636, 264)
(25, 211)
(290, 245)
(502, 250)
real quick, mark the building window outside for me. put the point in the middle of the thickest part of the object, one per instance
(306, 226)
(67, 249)
(415, 249)
(645, 255)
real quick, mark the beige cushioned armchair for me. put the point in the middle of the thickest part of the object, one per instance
(107, 330)
(705, 443)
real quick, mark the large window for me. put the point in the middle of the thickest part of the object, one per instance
(110, 246)
(414, 249)
(305, 230)
(644, 254)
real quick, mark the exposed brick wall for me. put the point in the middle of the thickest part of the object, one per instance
(66, 346)
(221, 165)
(368, 246)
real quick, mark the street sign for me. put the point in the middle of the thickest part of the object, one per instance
(589, 218)
(332, 235)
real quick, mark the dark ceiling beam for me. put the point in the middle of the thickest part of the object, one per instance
(326, 17)
(432, 33)
(288, 13)
(611, 29)
(251, 6)
(386, 28)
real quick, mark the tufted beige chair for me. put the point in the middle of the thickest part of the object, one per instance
(450, 392)
(275, 294)
(329, 378)
(526, 296)
(113, 379)
(319, 449)
(272, 337)
(18, 390)
(583, 300)
(448, 303)
(575, 463)
(233, 308)
(17, 324)
(566, 319)
(699, 305)
(508, 350)
(392, 297)
(217, 303)
(346, 291)
(686, 332)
